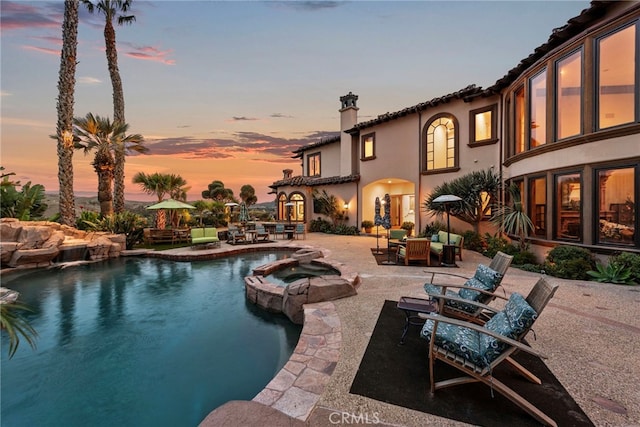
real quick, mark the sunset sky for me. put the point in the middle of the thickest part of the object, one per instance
(226, 90)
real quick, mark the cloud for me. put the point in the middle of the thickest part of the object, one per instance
(43, 50)
(89, 81)
(17, 16)
(242, 144)
(280, 116)
(242, 119)
(307, 6)
(149, 53)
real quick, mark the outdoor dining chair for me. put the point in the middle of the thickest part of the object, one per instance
(476, 350)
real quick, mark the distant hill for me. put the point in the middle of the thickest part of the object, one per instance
(91, 204)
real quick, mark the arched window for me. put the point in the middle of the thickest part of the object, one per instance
(441, 143)
(282, 209)
(297, 210)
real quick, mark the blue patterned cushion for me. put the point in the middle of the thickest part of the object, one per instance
(484, 278)
(516, 318)
(458, 340)
(434, 238)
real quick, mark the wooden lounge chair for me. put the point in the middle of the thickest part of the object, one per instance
(476, 350)
(479, 288)
(414, 250)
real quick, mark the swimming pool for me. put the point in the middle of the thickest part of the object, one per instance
(141, 342)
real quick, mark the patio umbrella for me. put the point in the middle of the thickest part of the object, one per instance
(377, 220)
(386, 224)
(244, 213)
(170, 205)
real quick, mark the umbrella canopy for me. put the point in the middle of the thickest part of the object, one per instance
(386, 219)
(377, 219)
(244, 213)
(171, 204)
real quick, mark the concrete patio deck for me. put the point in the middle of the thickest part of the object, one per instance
(590, 331)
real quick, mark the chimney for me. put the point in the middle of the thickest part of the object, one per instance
(348, 119)
(287, 173)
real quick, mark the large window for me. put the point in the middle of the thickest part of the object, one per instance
(313, 164)
(483, 124)
(520, 120)
(297, 210)
(568, 207)
(368, 146)
(538, 109)
(616, 206)
(616, 78)
(441, 143)
(569, 96)
(537, 205)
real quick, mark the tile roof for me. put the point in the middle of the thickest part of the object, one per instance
(311, 181)
(316, 144)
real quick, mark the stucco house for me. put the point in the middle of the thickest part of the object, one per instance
(564, 125)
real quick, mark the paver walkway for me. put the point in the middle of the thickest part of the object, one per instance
(590, 331)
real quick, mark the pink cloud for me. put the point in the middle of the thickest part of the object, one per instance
(16, 16)
(150, 53)
(43, 50)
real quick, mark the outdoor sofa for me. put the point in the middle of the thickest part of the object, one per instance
(440, 239)
(204, 236)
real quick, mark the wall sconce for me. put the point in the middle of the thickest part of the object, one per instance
(346, 206)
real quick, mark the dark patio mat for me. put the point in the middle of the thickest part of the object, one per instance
(399, 375)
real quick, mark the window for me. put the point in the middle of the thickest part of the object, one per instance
(483, 124)
(520, 120)
(368, 146)
(313, 164)
(568, 207)
(282, 209)
(441, 143)
(569, 96)
(616, 206)
(297, 210)
(537, 205)
(616, 78)
(538, 109)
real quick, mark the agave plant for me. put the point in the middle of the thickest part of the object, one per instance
(512, 219)
(617, 274)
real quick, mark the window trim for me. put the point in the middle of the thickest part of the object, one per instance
(556, 63)
(494, 123)
(363, 138)
(456, 140)
(315, 155)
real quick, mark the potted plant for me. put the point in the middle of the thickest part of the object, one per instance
(408, 226)
(367, 225)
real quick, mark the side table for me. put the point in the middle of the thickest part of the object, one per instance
(412, 307)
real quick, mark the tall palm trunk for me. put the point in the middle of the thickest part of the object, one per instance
(104, 166)
(118, 113)
(64, 127)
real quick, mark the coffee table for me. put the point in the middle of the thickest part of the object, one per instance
(412, 307)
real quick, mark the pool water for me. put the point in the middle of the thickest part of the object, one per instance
(290, 274)
(141, 342)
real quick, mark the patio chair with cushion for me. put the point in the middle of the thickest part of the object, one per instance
(476, 350)
(261, 233)
(279, 230)
(414, 250)
(300, 231)
(479, 288)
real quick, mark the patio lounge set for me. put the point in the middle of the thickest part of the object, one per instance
(465, 332)
(421, 248)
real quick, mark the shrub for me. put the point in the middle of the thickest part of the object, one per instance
(473, 241)
(524, 257)
(127, 223)
(497, 243)
(320, 226)
(367, 224)
(433, 228)
(569, 262)
(629, 260)
(87, 220)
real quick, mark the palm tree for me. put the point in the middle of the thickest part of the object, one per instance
(15, 324)
(111, 9)
(512, 218)
(64, 127)
(160, 184)
(103, 136)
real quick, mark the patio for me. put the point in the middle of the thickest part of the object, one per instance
(580, 322)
